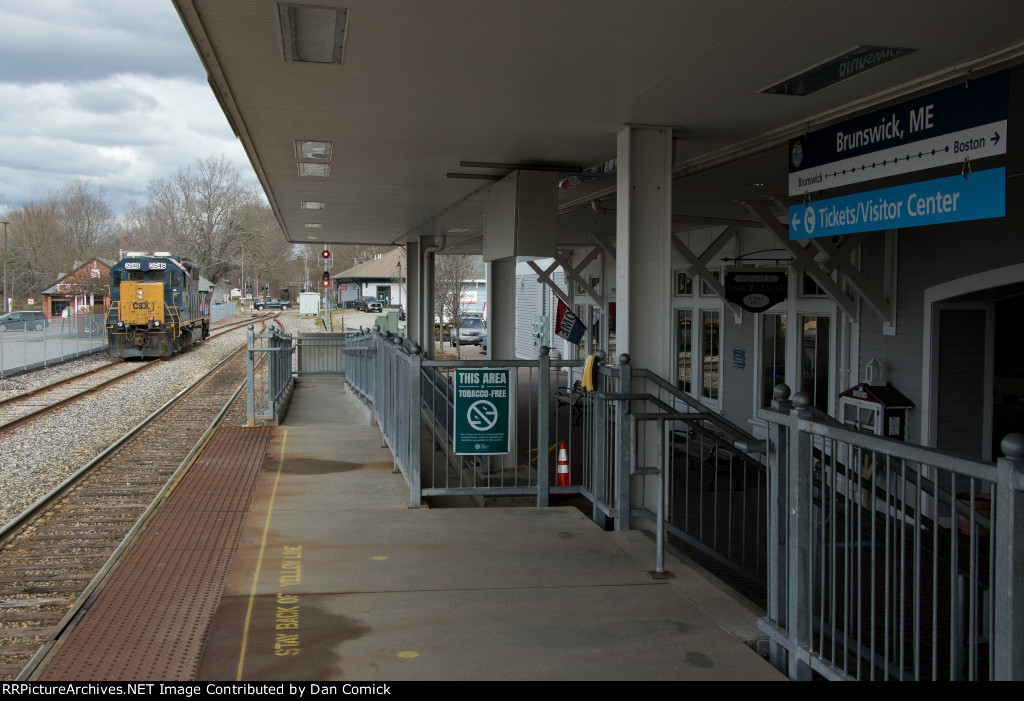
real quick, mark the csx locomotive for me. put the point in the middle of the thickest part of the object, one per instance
(156, 308)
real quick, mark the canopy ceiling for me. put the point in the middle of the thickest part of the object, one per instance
(422, 87)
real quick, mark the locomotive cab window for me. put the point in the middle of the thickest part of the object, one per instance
(175, 278)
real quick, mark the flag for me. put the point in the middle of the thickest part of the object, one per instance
(567, 325)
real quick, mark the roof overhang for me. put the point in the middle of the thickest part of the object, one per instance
(419, 89)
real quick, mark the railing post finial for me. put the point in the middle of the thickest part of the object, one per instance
(1012, 445)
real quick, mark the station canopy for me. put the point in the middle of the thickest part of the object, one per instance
(377, 122)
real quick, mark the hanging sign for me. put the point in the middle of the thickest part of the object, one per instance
(568, 325)
(756, 289)
(482, 417)
(982, 195)
(966, 121)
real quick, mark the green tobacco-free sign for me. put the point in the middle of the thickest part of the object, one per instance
(482, 411)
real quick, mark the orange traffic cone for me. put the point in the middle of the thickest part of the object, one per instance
(562, 477)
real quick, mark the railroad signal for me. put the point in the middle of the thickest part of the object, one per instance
(325, 254)
(327, 279)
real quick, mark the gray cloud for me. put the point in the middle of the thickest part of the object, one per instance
(111, 92)
(71, 40)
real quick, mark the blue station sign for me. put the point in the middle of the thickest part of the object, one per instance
(981, 195)
(962, 122)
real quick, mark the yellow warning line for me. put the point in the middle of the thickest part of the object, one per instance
(259, 560)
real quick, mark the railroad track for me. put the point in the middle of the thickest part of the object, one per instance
(51, 553)
(27, 406)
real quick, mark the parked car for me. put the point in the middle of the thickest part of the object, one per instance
(272, 303)
(368, 304)
(471, 331)
(36, 321)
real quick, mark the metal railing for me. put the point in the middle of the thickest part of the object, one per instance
(269, 375)
(23, 349)
(320, 354)
(710, 495)
(222, 311)
(607, 435)
(889, 560)
(873, 562)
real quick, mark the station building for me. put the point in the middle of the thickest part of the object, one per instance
(730, 196)
(648, 148)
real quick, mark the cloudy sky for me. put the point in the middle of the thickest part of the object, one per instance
(110, 91)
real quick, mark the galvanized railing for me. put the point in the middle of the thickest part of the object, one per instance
(269, 375)
(222, 311)
(874, 563)
(60, 339)
(606, 437)
(889, 560)
(711, 496)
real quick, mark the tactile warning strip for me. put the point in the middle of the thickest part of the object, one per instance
(150, 621)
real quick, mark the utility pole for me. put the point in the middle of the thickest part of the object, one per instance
(6, 305)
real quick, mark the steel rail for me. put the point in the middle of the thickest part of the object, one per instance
(37, 664)
(64, 486)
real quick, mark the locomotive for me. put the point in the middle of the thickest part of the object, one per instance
(156, 308)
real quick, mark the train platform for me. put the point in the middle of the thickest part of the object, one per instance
(290, 553)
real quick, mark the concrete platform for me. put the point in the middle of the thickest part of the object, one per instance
(335, 578)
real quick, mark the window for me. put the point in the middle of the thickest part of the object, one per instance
(809, 288)
(684, 284)
(684, 349)
(706, 289)
(814, 359)
(710, 359)
(773, 354)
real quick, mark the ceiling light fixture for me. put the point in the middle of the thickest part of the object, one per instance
(846, 65)
(312, 34)
(314, 170)
(313, 150)
(310, 204)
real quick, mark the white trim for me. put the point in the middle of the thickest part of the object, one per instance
(935, 294)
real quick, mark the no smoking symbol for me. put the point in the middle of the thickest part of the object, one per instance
(482, 415)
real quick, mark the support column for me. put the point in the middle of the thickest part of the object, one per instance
(426, 285)
(643, 296)
(414, 317)
(643, 245)
(501, 337)
(501, 309)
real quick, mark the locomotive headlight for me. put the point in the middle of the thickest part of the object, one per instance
(120, 324)
(156, 323)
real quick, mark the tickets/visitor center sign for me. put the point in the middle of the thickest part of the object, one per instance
(482, 425)
(982, 195)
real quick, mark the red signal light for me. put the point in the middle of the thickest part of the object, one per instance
(325, 254)
(327, 279)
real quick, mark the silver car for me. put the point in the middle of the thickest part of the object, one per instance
(472, 331)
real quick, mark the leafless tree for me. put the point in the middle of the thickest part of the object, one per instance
(86, 219)
(45, 240)
(205, 212)
(451, 272)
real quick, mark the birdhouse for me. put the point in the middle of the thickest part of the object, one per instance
(878, 409)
